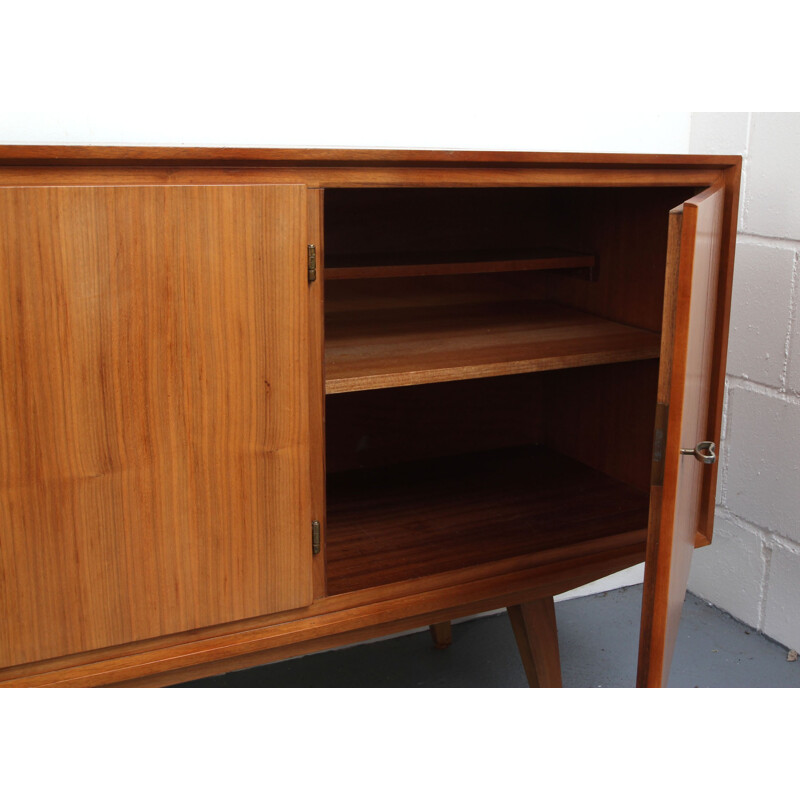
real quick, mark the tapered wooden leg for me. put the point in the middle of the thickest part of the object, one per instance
(534, 627)
(442, 634)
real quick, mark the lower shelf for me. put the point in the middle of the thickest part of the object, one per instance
(411, 520)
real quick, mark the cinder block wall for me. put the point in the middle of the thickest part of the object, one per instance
(753, 568)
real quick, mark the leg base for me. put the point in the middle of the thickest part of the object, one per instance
(534, 625)
(442, 635)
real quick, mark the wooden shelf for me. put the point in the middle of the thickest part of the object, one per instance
(412, 520)
(338, 267)
(372, 349)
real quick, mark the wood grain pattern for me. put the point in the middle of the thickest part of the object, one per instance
(154, 434)
(684, 387)
(91, 566)
(407, 521)
(104, 154)
(437, 230)
(328, 177)
(534, 626)
(316, 392)
(454, 263)
(442, 634)
(432, 291)
(437, 597)
(411, 423)
(402, 347)
(666, 362)
(343, 619)
(603, 417)
(627, 232)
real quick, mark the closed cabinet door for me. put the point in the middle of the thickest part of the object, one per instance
(684, 451)
(154, 431)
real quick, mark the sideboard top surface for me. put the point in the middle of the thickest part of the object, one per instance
(81, 155)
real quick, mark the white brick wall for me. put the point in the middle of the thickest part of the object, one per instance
(780, 618)
(772, 203)
(737, 549)
(753, 568)
(760, 306)
(761, 462)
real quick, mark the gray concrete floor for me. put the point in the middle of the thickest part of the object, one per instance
(598, 639)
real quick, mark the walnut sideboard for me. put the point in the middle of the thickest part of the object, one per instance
(258, 403)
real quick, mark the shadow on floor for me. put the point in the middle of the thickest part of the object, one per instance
(598, 638)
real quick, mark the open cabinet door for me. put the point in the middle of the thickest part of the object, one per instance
(695, 234)
(154, 438)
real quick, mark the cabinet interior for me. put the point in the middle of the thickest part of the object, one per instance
(491, 366)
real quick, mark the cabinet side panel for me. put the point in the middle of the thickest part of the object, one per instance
(154, 399)
(625, 230)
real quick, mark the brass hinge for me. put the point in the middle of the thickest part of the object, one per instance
(315, 541)
(312, 263)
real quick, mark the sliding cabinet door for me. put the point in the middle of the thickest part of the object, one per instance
(154, 432)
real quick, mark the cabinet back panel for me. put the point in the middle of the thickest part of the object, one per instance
(604, 416)
(389, 426)
(432, 290)
(359, 221)
(626, 229)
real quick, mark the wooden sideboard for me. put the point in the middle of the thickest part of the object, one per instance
(259, 403)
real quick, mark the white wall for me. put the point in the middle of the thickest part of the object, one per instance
(446, 74)
(463, 125)
(753, 568)
(298, 74)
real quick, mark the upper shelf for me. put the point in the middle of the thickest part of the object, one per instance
(338, 267)
(372, 349)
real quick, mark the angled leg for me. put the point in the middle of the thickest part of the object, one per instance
(442, 635)
(534, 627)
